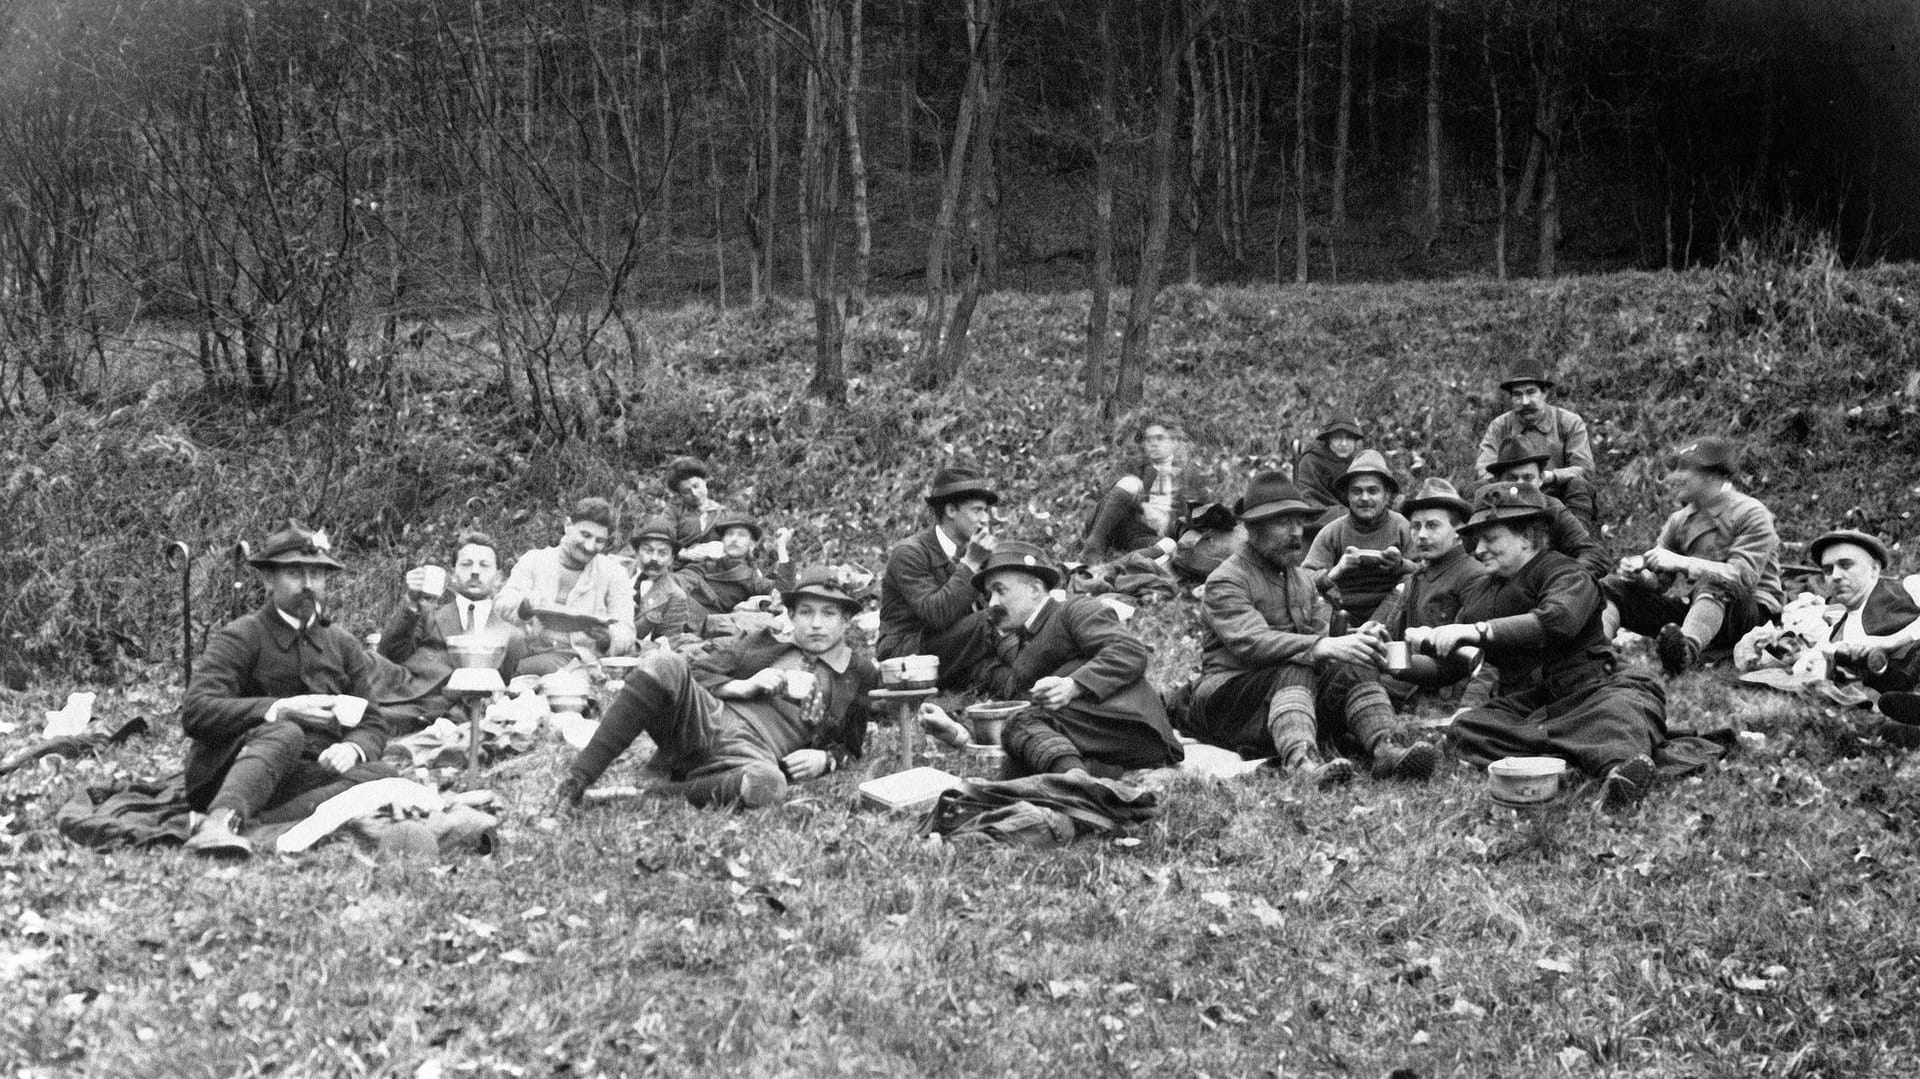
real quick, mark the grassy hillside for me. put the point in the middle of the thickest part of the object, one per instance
(1811, 364)
(1754, 921)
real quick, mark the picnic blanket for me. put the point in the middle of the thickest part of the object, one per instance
(1041, 811)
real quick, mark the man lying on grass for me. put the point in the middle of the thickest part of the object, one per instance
(722, 573)
(1562, 690)
(1093, 709)
(738, 724)
(266, 723)
(1273, 682)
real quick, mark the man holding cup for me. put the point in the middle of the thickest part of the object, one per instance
(1086, 674)
(1274, 682)
(414, 661)
(1431, 597)
(745, 719)
(277, 713)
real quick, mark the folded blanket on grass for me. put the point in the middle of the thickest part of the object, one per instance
(1041, 811)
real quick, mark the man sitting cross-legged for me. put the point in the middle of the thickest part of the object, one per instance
(739, 723)
(1563, 691)
(1093, 709)
(263, 717)
(1273, 682)
(414, 665)
(1713, 573)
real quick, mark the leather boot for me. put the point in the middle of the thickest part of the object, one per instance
(218, 836)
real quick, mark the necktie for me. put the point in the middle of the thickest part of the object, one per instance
(1009, 643)
(815, 707)
(466, 615)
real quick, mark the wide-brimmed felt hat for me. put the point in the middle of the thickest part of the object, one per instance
(1435, 493)
(1710, 454)
(1515, 451)
(1370, 461)
(1527, 371)
(1339, 425)
(734, 519)
(682, 469)
(952, 482)
(295, 545)
(1015, 555)
(1270, 494)
(658, 527)
(1862, 540)
(820, 583)
(1505, 504)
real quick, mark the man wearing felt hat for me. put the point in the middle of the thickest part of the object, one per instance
(1568, 471)
(745, 719)
(575, 578)
(927, 601)
(1562, 690)
(1713, 573)
(661, 609)
(1568, 532)
(1877, 632)
(1359, 557)
(268, 730)
(1321, 465)
(1086, 674)
(719, 580)
(1273, 681)
(1432, 596)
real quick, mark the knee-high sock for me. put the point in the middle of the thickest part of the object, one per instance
(1704, 619)
(640, 699)
(1039, 747)
(1290, 724)
(1370, 717)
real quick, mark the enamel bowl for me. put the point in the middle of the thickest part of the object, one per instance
(1525, 780)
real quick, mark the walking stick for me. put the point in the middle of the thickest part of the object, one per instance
(180, 554)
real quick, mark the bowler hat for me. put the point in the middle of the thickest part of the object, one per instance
(658, 527)
(295, 545)
(1340, 425)
(1710, 454)
(1435, 493)
(735, 519)
(819, 583)
(1861, 540)
(1015, 555)
(1515, 451)
(1527, 371)
(1506, 504)
(1270, 494)
(950, 483)
(682, 469)
(1370, 461)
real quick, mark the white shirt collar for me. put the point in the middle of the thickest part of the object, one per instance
(289, 619)
(947, 544)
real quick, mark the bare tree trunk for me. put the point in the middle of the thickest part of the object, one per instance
(1432, 224)
(980, 208)
(1342, 133)
(1196, 164)
(933, 319)
(826, 90)
(1302, 84)
(1100, 284)
(1499, 154)
(857, 168)
(1129, 384)
(1550, 189)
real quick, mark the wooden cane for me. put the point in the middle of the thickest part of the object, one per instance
(180, 553)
